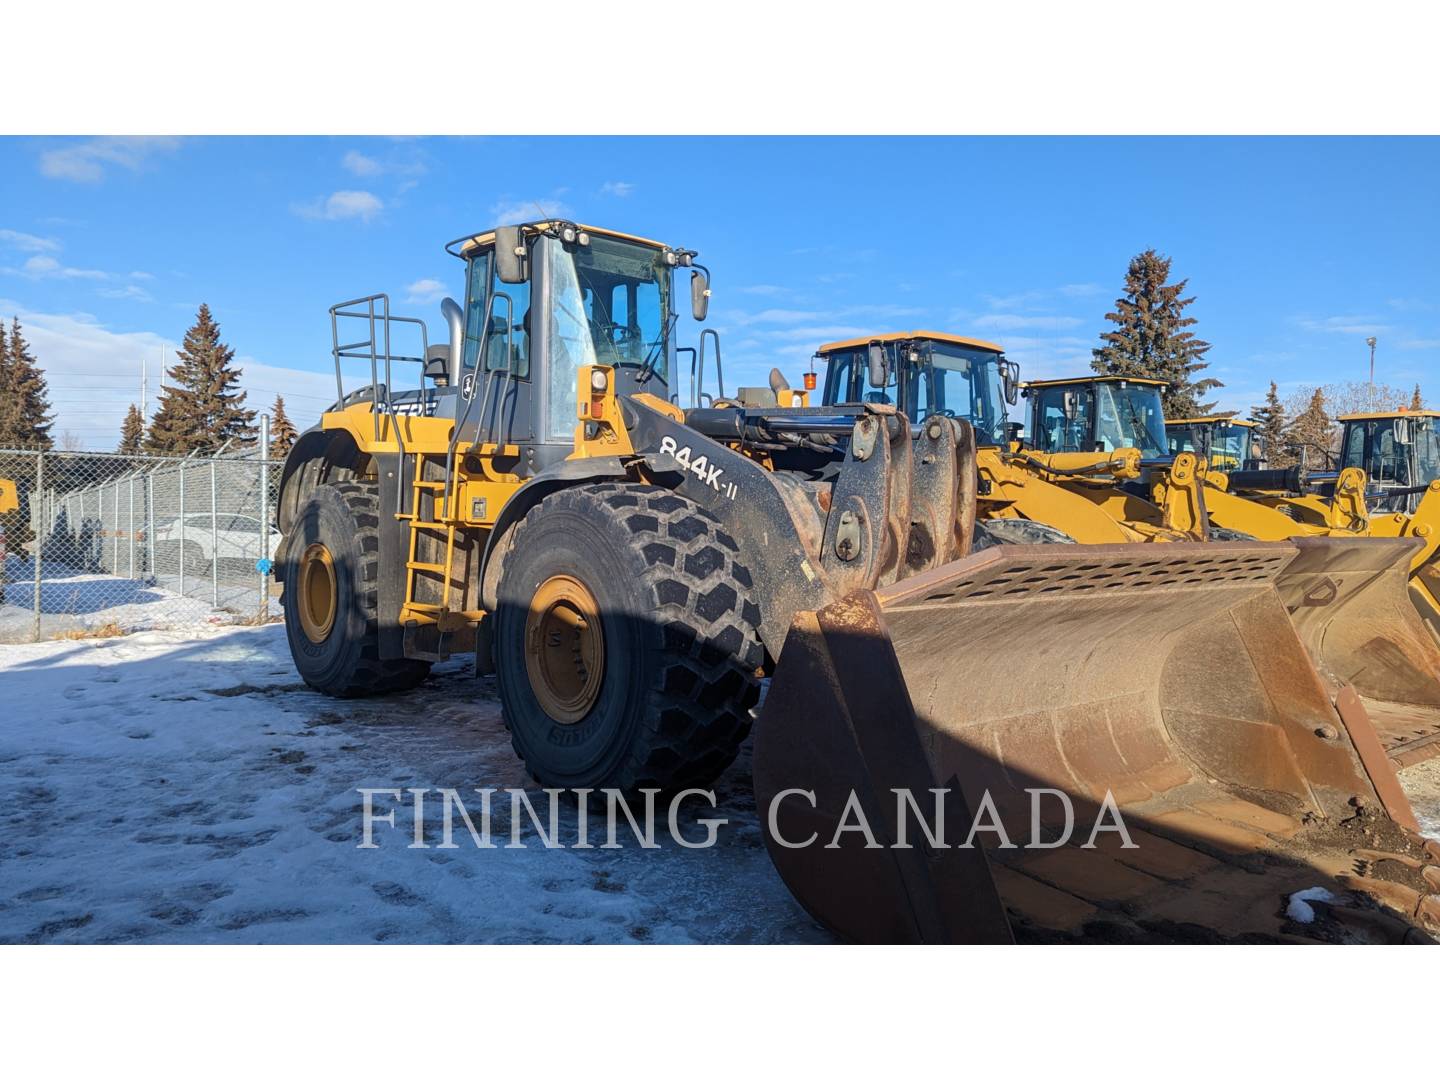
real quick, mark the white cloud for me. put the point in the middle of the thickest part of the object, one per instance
(360, 165)
(1345, 324)
(1027, 322)
(1420, 343)
(127, 292)
(759, 290)
(365, 166)
(94, 374)
(515, 211)
(425, 291)
(1085, 289)
(26, 242)
(619, 188)
(341, 206)
(38, 267)
(86, 162)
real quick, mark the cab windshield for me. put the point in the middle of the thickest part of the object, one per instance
(1099, 417)
(962, 383)
(939, 379)
(610, 303)
(1373, 445)
(1230, 448)
(1130, 415)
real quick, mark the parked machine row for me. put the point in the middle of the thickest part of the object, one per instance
(936, 604)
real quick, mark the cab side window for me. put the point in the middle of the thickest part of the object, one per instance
(484, 301)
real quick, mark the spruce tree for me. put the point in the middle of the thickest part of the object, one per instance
(132, 432)
(25, 418)
(1312, 433)
(1416, 401)
(1271, 418)
(202, 406)
(282, 431)
(8, 413)
(1152, 338)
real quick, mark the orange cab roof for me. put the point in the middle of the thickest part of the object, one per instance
(911, 335)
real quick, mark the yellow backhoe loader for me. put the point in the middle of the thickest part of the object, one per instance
(632, 568)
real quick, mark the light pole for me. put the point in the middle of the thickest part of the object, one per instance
(1371, 342)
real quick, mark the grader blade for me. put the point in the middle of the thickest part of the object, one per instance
(1162, 687)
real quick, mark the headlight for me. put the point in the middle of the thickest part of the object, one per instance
(598, 379)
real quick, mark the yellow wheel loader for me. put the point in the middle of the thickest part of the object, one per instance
(1388, 483)
(9, 503)
(631, 569)
(1096, 469)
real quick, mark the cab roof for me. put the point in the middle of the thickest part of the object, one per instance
(485, 239)
(911, 335)
(1392, 414)
(1079, 379)
(1214, 420)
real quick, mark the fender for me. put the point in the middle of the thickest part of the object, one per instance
(563, 474)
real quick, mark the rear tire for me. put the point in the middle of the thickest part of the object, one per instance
(340, 655)
(678, 650)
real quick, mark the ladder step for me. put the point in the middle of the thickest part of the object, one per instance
(416, 523)
(434, 568)
(434, 485)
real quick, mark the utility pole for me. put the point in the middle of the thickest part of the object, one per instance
(1371, 342)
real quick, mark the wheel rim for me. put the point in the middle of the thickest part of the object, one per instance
(318, 593)
(564, 648)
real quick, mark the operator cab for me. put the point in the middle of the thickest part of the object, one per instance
(1097, 414)
(1399, 451)
(545, 299)
(924, 374)
(1230, 442)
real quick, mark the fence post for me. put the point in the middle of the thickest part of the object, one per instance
(39, 538)
(264, 515)
(154, 571)
(115, 532)
(214, 542)
(181, 519)
(132, 525)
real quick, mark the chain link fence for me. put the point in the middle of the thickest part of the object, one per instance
(111, 543)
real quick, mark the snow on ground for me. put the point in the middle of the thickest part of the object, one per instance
(186, 787)
(70, 600)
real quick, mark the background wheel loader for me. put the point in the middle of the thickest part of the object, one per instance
(631, 569)
(1098, 447)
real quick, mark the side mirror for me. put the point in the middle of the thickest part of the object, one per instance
(1010, 381)
(1402, 430)
(510, 261)
(879, 366)
(437, 364)
(699, 295)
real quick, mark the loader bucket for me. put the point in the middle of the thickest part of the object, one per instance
(1350, 602)
(1163, 686)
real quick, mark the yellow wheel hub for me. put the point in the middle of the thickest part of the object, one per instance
(564, 648)
(318, 592)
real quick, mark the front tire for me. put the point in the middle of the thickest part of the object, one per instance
(331, 596)
(627, 648)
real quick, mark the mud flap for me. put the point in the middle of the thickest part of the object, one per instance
(1165, 681)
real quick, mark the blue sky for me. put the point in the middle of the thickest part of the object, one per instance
(1296, 249)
